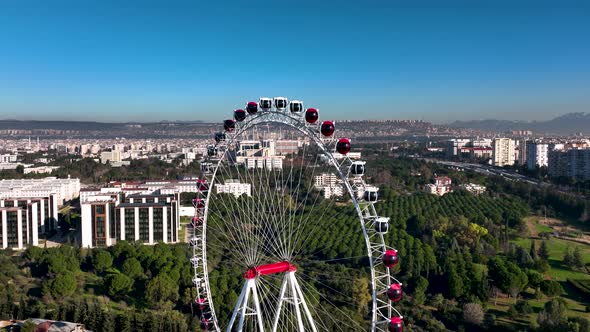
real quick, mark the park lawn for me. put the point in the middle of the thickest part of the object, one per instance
(557, 248)
(575, 309)
(542, 228)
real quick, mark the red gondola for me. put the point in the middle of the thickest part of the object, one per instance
(198, 203)
(311, 115)
(239, 115)
(395, 324)
(252, 107)
(200, 302)
(229, 125)
(390, 258)
(343, 146)
(196, 222)
(394, 292)
(327, 128)
(206, 324)
(202, 185)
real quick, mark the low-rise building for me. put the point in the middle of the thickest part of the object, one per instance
(441, 186)
(473, 188)
(234, 187)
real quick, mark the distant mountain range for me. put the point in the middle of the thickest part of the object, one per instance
(570, 123)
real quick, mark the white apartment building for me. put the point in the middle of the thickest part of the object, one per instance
(127, 216)
(330, 184)
(326, 179)
(234, 187)
(270, 163)
(537, 154)
(64, 189)
(19, 226)
(110, 156)
(8, 158)
(503, 152)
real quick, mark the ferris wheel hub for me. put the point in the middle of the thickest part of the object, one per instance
(266, 269)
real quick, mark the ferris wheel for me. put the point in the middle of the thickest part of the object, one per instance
(258, 211)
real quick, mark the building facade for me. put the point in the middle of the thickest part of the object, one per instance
(147, 218)
(537, 155)
(503, 152)
(19, 227)
(573, 163)
(234, 187)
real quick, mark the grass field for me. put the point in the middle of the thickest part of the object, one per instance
(557, 248)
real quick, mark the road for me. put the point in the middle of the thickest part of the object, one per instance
(489, 170)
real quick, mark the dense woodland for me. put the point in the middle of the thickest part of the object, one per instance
(457, 255)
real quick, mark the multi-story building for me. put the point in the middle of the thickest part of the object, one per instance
(110, 156)
(284, 147)
(270, 163)
(503, 152)
(326, 179)
(330, 184)
(573, 163)
(125, 215)
(19, 227)
(8, 158)
(64, 189)
(234, 187)
(522, 153)
(537, 154)
(454, 146)
(48, 194)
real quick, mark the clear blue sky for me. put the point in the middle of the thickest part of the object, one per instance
(183, 60)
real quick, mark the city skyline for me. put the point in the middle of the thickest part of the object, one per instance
(183, 61)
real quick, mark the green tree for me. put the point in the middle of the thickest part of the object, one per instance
(118, 284)
(568, 259)
(577, 260)
(361, 294)
(543, 251)
(553, 315)
(102, 260)
(454, 283)
(551, 288)
(63, 285)
(420, 290)
(161, 289)
(132, 268)
(28, 326)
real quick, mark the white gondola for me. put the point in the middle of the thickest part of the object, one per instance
(193, 241)
(296, 106)
(197, 282)
(381, 225)
(357, 168)
(281, 103)
(194, 261)
(265, 104)
(371, 194)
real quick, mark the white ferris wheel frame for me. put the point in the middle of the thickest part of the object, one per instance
(381, 276)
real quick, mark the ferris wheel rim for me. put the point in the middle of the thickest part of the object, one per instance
(284, 118)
